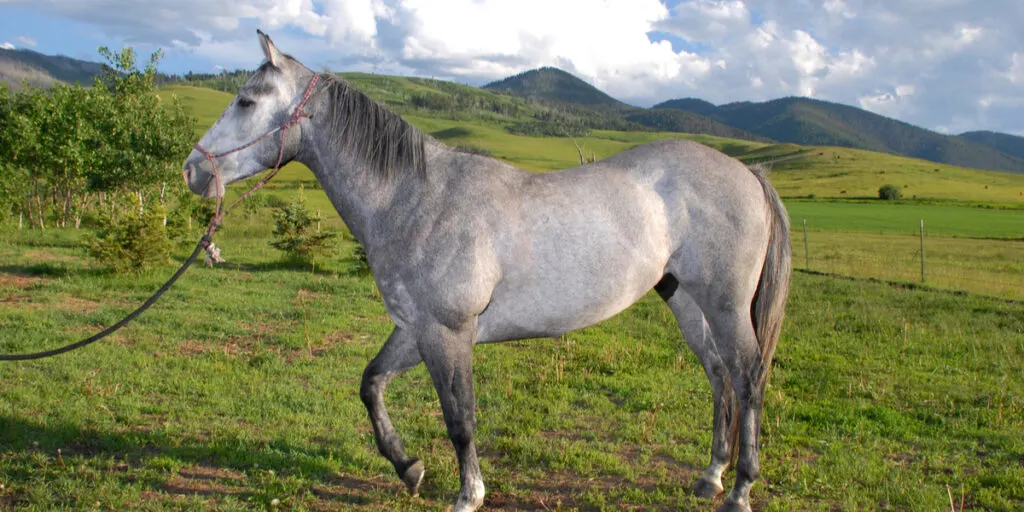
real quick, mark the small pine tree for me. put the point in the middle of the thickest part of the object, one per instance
(889, 192)
(136, 243)
(295, 234)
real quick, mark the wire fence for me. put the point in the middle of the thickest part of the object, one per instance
(985, 266)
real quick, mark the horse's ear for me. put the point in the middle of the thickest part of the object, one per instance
(269, 50)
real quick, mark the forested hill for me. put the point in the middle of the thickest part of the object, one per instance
(40, 70)
(1012, 145)
(553, 84)
(815, 122)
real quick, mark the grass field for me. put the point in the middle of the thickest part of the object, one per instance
(241, 387)
(884, 217)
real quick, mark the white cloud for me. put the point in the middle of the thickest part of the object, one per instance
(7, 45)
(27, 41)
(936, 63)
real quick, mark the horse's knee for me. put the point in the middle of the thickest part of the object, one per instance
(369, 388)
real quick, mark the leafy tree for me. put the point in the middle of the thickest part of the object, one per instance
(889, 192)
(145, 140)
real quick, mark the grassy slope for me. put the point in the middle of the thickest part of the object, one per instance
(854, 173)
(882, 396)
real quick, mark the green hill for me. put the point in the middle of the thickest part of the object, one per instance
(553, 84)
(1012, 145)
(44, 70)
(815, 122)
(798, 171)
(672, 120)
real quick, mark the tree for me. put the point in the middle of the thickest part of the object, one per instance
(145, 140)
(889, 192)
(295, 235)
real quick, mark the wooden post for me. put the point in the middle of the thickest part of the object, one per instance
(922, 250)
(807, 253)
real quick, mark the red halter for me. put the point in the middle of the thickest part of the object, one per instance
(295, 118)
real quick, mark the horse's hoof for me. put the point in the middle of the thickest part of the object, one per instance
(735, 506)
(413, 476)
(707, 489)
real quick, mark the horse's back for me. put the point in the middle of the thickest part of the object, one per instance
(581, 245)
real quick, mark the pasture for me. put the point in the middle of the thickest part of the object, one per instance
(241, 387)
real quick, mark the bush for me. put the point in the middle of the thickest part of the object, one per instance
(295, 234)
(137, 242)
(889, 192)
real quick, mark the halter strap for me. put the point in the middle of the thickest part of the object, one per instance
(293, 120)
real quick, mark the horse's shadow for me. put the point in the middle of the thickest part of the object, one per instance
(206, 468)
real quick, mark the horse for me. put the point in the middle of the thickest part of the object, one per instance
(466, 249)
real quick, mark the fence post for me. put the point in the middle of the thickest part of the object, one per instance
(807, 254)
(922, 250)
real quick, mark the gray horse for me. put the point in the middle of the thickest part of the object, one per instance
(467, 249)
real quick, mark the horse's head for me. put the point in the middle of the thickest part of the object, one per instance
(247, 138)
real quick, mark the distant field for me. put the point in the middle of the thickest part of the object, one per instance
(858, 173)
(206, 104)
(989, 267)
(882, 217)
(822, 171)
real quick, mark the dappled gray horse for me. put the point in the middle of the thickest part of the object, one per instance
(467, 249)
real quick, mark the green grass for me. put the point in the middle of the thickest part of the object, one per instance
(885, 217)
(858, 173)
(241, 387)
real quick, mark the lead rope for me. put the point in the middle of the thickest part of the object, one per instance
(206, 242)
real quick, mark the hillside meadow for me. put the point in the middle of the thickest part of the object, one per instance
(241, 386)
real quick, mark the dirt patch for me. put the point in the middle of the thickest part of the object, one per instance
(211, 473)
(40, 255)
(207, 481)
(76, 305)
(18, 281)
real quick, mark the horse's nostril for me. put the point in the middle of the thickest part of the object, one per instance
(187, 174)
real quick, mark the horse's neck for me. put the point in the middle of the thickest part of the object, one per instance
(366, 200)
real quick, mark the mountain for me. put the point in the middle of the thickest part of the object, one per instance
(44, 70)
(553, 84)
(1012, 145)
(815, 122)
(672, 120)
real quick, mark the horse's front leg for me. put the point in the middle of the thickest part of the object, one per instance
(398, 355)
(448, 354)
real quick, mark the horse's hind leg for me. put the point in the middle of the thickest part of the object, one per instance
(398, 355)
(736, 344)
(698, 336)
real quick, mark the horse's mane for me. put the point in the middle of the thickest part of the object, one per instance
(360, 126)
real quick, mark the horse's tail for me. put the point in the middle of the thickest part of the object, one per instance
(769, 305)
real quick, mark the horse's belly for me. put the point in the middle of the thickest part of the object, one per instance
(557, 303)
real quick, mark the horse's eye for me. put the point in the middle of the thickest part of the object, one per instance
(245, 102)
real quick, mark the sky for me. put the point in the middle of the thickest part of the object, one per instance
(947, 65)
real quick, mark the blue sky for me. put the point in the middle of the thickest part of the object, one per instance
(948, 65)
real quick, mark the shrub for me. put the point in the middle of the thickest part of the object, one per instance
(889, 192)
(295, 234)
(135, 243)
